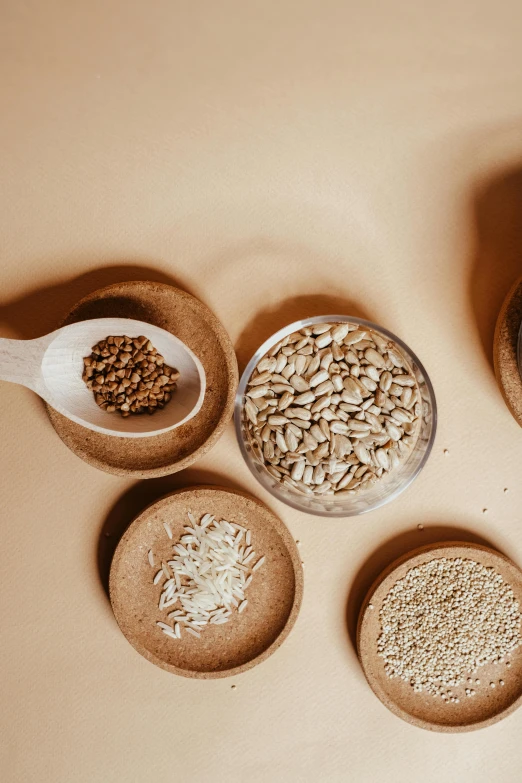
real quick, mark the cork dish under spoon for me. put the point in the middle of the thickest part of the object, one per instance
(52, 367)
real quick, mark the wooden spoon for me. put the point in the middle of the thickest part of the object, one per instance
(52, 366)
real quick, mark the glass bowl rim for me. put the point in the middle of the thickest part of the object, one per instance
(273, 340)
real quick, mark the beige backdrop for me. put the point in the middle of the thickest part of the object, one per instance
(276, 159)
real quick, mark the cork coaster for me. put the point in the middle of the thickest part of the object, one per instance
(488, 705)
(505, 350)
(193, 323)
(274, 596)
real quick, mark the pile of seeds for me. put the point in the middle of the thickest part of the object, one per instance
(444, 620)
(332, 408)
(206, 580)
(127, 374)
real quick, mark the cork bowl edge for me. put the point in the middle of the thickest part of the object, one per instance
(368, 657)
(293, 556)
(81, 441)
(505, 350)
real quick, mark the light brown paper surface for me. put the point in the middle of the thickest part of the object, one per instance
(277, 160)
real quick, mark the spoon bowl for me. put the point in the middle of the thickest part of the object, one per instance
(52, 366)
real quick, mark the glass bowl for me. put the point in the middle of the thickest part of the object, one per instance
(382, 491)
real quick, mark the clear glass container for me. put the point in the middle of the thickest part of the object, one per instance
(390, 485)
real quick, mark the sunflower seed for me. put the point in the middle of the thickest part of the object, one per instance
(337, 383)
(368, 383)
(394, 357)
(281, 388)
(359, 426)
(300, 413)
(317, 433)
(251, 411)
(321, 328)
(372, 372)
(298, 470)
(361, 453)
(281, 363)
(299, 383)
(304, 399)
(322, 402)
(354, 337)
(281, 443)
(300, 364)
(323, 340)
(382, 458)
(400, 415)
(313, 366)
(339, 333)
(393, 431)
(309, 442)
(260, 379)
(374, 357)
(339, 428)
(318, 378)
(291, 440)
(277, 420)
(404, 380)
(286, 400)
(385, 381)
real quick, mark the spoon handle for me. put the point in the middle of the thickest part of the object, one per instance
(20, 362)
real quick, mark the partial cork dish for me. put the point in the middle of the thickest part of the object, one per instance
(488, 705)
(248, 638)
(195, 325)
(505, 350)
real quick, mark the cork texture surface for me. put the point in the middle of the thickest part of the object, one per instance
(505, 350)
(274, 596)
(489, 705)
(194, 324)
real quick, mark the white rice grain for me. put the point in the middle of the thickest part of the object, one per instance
(207, 576)
(168, 531)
